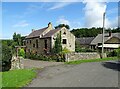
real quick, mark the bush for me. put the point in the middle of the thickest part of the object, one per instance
(21, 53)
(118, 52)
(112, 54)
(57, 57)
(6, 57)
(65, 50)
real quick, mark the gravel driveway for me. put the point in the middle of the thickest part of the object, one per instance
(97, 74)
(38, 64)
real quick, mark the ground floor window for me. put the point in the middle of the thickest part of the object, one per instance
(64, 41)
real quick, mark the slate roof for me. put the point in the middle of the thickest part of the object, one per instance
(84, 40)
(36, 33)
(98, 38)
(51, 32)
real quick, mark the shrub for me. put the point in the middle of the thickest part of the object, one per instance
(118, 52)
(65, 50)
(6, 57)
(112, 54)
(54, 57)
(21, 53)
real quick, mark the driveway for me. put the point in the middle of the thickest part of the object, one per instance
(38, 64)
(96, 74)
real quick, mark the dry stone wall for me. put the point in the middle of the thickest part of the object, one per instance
(81, 56)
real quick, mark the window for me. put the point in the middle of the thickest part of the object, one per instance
(24, 42)
(45, 44)
(64, 33)
(64, 41)
(30, 41)
(27, 41)
(33, 45)
(37, 43)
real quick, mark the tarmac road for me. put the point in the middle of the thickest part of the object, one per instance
(96, 74)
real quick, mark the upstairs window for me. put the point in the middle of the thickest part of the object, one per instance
(33, 45)
(45, 41)
(27, 41)
(37, 43)
(30, 41)
(64, 41)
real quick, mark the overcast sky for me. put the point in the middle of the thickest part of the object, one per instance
(21, 17)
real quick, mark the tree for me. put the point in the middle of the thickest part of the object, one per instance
(62, 25)
(21, 53)
(6, 57)
(92, 32)
(58, 47)
(17, 38)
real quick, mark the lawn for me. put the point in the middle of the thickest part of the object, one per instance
(91, 60)
(17, 78)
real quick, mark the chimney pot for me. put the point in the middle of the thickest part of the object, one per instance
(49, 24)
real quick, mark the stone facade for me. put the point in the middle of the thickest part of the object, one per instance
(32, 46)
(81, 56)
(45, 41)
(68, 39)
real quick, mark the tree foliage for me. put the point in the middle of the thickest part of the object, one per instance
(65, 50)
(118, 53)
(6, 57)
(58, 47)
(21, 53)
(92, 32)
(62, 25)
(17, 38)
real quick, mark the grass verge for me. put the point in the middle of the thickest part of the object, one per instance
(17, 78)
(91, 60)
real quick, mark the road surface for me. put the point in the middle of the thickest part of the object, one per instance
(96, 74)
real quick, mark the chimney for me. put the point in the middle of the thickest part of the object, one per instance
(110, 33)
(50, 25)
(33, 30)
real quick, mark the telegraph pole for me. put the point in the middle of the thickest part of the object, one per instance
(103, 35)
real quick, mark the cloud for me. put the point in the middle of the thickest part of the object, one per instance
(57, 0)
(73, 24)
(59, 5)
(21, 24)
(94, 14)
(62, 20)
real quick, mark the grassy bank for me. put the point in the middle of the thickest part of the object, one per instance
(17, 78)
(91, 60)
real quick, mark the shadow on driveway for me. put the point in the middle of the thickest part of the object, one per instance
(112, 65)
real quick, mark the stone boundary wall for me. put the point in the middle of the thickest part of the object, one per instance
(81, 56)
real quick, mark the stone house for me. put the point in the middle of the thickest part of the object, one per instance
(84, 42)
(42, 41)
(111, 41)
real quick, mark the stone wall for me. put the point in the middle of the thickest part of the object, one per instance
(81, 56)
(16, 63)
